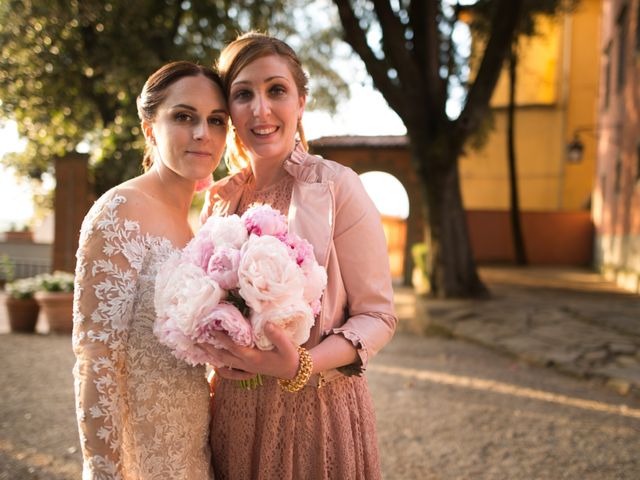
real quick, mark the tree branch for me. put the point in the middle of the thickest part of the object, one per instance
(175, 23)
(102, 101)
(394, 46)
(423, 17)
(505, 18)
(419, 23)
(164, 40)
(356, 37)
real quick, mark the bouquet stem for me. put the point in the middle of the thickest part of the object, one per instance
(251, 383)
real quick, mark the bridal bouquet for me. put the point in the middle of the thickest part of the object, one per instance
(236, 275)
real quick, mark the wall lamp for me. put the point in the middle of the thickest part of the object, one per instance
(575, 148)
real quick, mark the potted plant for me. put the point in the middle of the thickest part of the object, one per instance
(55, 297)
(15, 234)
(22, 308)
(7, 270)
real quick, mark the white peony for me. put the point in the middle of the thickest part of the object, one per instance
(228, 231)
(267, 274)
(296, 320)
(183, 294)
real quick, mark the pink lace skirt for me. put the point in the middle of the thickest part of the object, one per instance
(267, 433)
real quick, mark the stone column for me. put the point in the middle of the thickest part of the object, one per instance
(71, 204)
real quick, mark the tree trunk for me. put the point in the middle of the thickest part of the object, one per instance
(514, 204)
(452, 265)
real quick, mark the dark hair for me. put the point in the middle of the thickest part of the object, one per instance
(236, 56)
(155, 91)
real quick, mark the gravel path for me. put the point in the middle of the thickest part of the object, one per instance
(446, 410)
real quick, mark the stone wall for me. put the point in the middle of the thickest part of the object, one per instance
(616, 199)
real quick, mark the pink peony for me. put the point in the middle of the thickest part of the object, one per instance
(316, 307)
(199, 250)
(215, 233)
(252, 262)
(182, 346)
(264, 220)
(315, 281)
(267, 274)
(224, 318)
(223, 267)
(301, 250)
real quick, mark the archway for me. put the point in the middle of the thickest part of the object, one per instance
(392, 201)
(388, 154)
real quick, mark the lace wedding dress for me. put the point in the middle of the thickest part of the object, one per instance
(142, 414)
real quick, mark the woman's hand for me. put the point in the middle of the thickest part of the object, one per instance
(233, 374)
(215, 360)
(241, 363)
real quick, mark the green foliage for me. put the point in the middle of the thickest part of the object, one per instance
(481, 26)
(7, 267)
(410, 49)
(482, 11)
(421, 261)
(420, 255)
(478, 139)
(70, 71)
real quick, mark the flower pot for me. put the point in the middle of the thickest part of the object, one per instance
(23, 314)
(19, 236)
(57, 309)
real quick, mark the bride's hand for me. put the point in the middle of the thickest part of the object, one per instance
(281, 362)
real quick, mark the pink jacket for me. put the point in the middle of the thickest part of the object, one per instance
(330, 208)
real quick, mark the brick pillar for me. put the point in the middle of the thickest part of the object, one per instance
(71, 204)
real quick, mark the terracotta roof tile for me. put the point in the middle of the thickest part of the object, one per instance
(355, 141)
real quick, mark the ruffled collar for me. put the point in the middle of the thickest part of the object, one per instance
(297, 165)
(231, 182)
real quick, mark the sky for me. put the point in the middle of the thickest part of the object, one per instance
(15, 198)
(365, 113)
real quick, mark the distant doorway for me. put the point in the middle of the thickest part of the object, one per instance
(391, 199)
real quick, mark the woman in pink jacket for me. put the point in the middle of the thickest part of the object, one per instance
(313, 416)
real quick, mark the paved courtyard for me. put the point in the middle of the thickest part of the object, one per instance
(454, 400)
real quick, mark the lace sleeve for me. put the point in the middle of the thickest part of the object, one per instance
(106, 277)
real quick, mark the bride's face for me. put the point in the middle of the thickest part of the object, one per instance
(265, 107)
(190, 128)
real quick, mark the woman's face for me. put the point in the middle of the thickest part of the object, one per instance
(265, 108)
(190, 128)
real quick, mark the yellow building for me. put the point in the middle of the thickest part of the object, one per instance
(556, 97)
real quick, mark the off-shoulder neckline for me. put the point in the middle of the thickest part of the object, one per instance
(119, 198)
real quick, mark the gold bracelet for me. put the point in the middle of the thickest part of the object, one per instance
(303, 374)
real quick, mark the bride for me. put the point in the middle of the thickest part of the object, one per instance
(141, 412)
